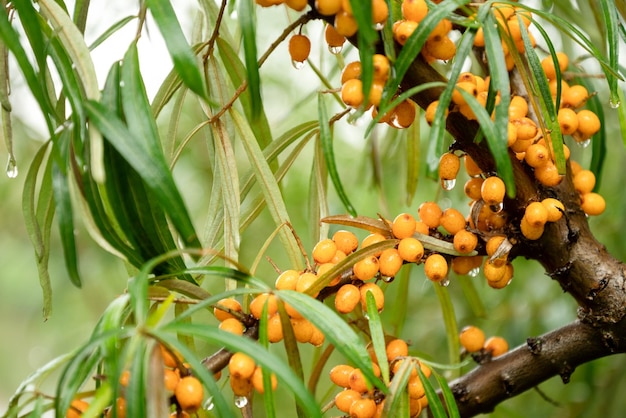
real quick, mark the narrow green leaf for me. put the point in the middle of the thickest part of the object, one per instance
(397, 399)
(111, 31)
(329, 154)
(378, 336)
(247, 22)
(412, 139)
(449, 320)
(434, 403)
(611, 23)
(622, 116)
(599, 140)
(448, 396)
(182, 55)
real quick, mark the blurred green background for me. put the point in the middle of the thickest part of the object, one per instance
(533, 304)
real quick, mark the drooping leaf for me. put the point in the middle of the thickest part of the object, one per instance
(247, 21)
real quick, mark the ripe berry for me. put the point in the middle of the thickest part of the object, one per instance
(120, 409)
(492, 190)
(415, 387)
(317, 338)
(536, 214)
(421, 228)
(346, 24)
(333, 38)
(287, 280)
(505, 280)
(357, 381)
(574, 96)
(76, 409)
(593, 204)
(232, 325)
(493, 246)
(372, 239)
(189, 393)
(588, 123)
(464, 264)
(376, 93)
(518, 107)
(328, 7)
(449, 165)
(347, 297)
(376, 291)
(584, 181)
(554, 207)
(302, 329)
(256, 305)
(171, 379)
(389, 262)
(351, 71)
(397, 348)
(240, 387)
(405, 113)
(537, 155)
(497, 346)
(352, 93)
(305, 281)
(411, 250)
(526, 128)
(241, 365)
(170, 359)
(402, 30)
(430, 213)
(548, 175)
(441, 48)
(531, 232)
(228, 303)
(324, 251)
(340, 375)
(363, 408)
(257, 380)
(345, 399)
(297, 5)
(366, 268)
(346, 241)
(415, 10)
(274, 329)
(568, 121)
(472, 188)
(457, 97)
(429, 114)
(493, 272)
(472, 338)
(403, 226)
(549, 66)
(381, 67)
(452, 220)
(436, 267)
(465, 241)
(299, 48)
(442, 29)
(380, 12)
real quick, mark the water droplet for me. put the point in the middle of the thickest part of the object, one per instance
(122, 83)
(366, 316)
(12, 168)
(585, 143)
(448, 184)
(497, 208)
(445, 282)
(297, 64)
(474, 272)
(614, 103)
(388, 279)
(233, 14)
(336, 50)
(209, 405)
(241, 401)
(379, 26)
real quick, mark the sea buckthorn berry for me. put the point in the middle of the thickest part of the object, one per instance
(257, 380)
(366, 269)
(372, 239)
(324, 251)
(403, 226)
(339, 255)
(287, 280)
(299, 47)
(553, 86)
(449, 165)
(472, 169)
(351, 71)
(574, 96)
(376, 93)
(346, 241)
(531, 232)
(493, 272)
(404, 114)
(415, 387)
(380, 12)
(421, 228)
(125, 377)
(429, 114)
(389, 262)
(497, 346)
(549, 66)
(120, 408)
(536, 214)
(241, 365)
(472, 188)
(436, 267)
(324, 268)
(232, 325)
(526, 128)
(464, 264)
(358, 382)
(345, 399)
(340, 375)
(274, 329)
(397, 348)
(593, 204)
(352, 93)
(256, 305)
(465, 241)
(452, 221)
(493, 246)
(302, 329)
(76, 409)
(240, 387)
(170, 379)
(568, 121)
(189, 393)
(402, 29)
(328, 7)
(416, 405)
(317, 338)
(548, 175)
(441, 29)
(492, 190)
(479, 38)
(472, 338)
(537, 155)
(346, 24)
(410, 249)
(518, 107)
(505, 280)
(305, 281)
(333, 38)
(228, 303)
(363, 408)
(172, 359)
(376, 291)
(584, 181)
(292, 311)
(554, 207)
(381, 67)
(520, 146)
(347, 297)
(588, 123)
(430, 213)
(415, 10)
(441, 48)
(297, 5)
(457, 97)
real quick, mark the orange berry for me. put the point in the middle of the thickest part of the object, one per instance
(366, 268)
(548, 175)
(405, 113)
(457, 97)
(357, 381)
(574, 96)
(256, 305)
(429, 114)
(241, 366)
(240, 387)
(549, 66)
(415, 10)
(351, 71)
(472, 188)
(421, 228)
(345, 399)
(347, 297)
(352, 93)
(588, 123)
(472, 338)
(340, 375)
(305, 281)
(380, 11)
(170, 358)
(554, 86)
(76, 409)
(493, 272)
(441, 29)
(452, 221)
(449, 165)
(465, 241)
(297, 5)
(537, 155)
(436, 267)
(363, 408)
(339, 255)
(302, 329)
(430, 213)
(333, 38)
(473, 170)
(497, 346)
(346, 241)
(389, 262)
(568, 121)
(584, 181)
(189, 393)
(317, 338)
(228, 303)
(328, 7)
(464, 264)
(479, 38)
(257, 380)
(526, 128)
(324, 251)
(287, 280)
(518, 107)
(536, 214)
(381, 67)
(493, 246)
(232, 325)
(441, 48)
(120, 408)
(125, 376)
(415, 387)
(593, 204)
(492, 190)
(416, 405)
(397, 348)
(531, 232)
(171, 379)
(274, 329)
(554, 207)
(345, 23)
(410, 249)
(403, 226)
(299, 47)
(372, 239)
(376, 291)
(403, 29)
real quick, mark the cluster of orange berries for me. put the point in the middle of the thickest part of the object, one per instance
(187, 393)
(359, 399)
(245, 375)
(473, 340)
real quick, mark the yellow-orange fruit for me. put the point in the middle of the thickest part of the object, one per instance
(531, 232)
(554, 207)
(287, 280)
(505, 280)
(421, 228)
(189, 393)
(465, 241)
(472, 188)
(358, 382)
(305, 281)
(340, 375)
(324, 251)
(452, 220)
(410, 250)
(574, 96)
(345, 399)
(328, 7)
(568, 121)
(381, 67)
(415, 387)
(317, 338)
(228, 303)
(257, 380)
(431, 110)
(346, 24)
(588, 123)
(274, 329)
(380, 12)
(333, 38)
(352, 92)
(464, 264)
(441, 48)
(536, 214)
(241, 365)
(376, 291)
(584, 181)
(240, 387)
(232, 325)
(302, 329)
(436, 267)
(120, 408)
(492, 190)
(493, 245)
(396, 348)
(171, 379)
(415, 10)
(366, 268)
(76, 409)
(430, 213)
(347, 297)
(170, 358)
(125, 376)
(472, 338)
(256, 305)
(449, 165)
(593, 204)
(405, 114)
(493, 272)
(351, 71)
(537, 155)
(402, 29)
(346, 241)
(363, 408)
(457, 97)
(389, 262)
(441, 29)
(548, 175)
(297, 5)
(403, 226)
(549, 67)
(518, 107)
(299, 48)
(497, 346)
(526, 128)
(372, 239)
